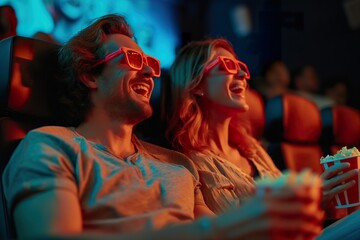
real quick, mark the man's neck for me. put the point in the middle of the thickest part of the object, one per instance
(115, 135)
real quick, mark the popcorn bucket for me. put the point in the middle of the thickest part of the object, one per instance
(305, 182)
(351, 196)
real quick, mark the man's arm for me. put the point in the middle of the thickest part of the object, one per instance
(54, 212)
(201, 210)
(284, 215)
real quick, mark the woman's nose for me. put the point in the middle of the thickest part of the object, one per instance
(241, 74)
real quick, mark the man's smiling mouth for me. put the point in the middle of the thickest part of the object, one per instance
(141, 89)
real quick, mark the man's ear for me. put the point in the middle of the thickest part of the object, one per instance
(89, 81)
(198, 92)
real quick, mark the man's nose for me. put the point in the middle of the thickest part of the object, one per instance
(147, 70)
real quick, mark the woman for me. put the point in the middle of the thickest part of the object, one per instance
(208, 86)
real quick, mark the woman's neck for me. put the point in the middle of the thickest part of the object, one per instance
(218, 138)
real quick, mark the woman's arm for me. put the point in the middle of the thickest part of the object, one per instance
(333, 179)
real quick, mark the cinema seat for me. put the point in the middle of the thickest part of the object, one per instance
(293, 128)
(341, 127)
(27, 66)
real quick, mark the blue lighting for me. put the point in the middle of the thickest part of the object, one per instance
(153, 22)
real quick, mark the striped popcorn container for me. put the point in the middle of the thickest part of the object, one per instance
(351, 196)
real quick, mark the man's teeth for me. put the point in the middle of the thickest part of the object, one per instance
(136, 87)
(141, 89)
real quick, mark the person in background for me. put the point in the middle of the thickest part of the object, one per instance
(8, 22)
(96, 179)
(208, 86)
(336, 90)
(307, 84)
(275, 81)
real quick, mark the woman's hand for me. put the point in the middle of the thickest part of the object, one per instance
(289, 212)
(334, 181)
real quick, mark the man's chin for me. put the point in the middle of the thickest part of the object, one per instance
(142, 115)
(148, 113)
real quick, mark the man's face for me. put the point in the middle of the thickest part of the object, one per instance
(124, 93)
(311, 80)
(279, 75)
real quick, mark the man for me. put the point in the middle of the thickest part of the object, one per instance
(97, 177)
(307, 83)
(276, 79)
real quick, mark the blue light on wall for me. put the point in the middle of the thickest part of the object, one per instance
(153, 22)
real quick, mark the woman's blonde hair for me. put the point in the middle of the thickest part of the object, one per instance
(187, 126)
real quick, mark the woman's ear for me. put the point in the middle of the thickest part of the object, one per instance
(198, 92)
(89, 81)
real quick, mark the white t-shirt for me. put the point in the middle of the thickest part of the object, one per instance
(150, 189)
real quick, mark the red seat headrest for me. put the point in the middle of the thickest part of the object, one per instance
(346, 125)
(292, 118)
(27, 71)
(302, 121)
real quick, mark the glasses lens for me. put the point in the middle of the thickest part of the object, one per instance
(135, 59)
(244, 68)
(230, 64)
(154, 64)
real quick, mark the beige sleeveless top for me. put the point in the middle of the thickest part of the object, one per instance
(223, 183)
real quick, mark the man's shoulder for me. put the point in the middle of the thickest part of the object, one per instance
(50, 132)
(158, 150)
(168, 155)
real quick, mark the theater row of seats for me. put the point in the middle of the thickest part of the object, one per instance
(292, 125)
(297, 134)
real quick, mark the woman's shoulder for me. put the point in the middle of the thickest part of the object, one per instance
(202, 160)
(158, 150)
(196, 155)
(261, 159)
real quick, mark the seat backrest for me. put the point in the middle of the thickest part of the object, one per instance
(27, 68)
(255, 114)
(293, 128)
(341, 127)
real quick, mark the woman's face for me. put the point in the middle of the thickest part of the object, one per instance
(224, 91)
